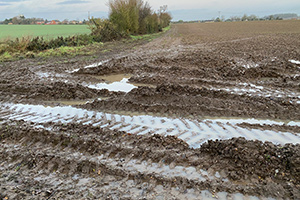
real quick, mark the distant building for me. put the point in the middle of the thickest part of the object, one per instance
(74, 22)
(65, 21)
(53, 22)
(40, 22)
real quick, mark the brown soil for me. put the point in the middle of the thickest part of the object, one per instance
(218, 70)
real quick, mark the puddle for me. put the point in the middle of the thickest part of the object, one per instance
(116, 83)
(88, 66)
(194, 132)
(191, 173)
(256, 90)
(96, 64)
(248, 66)
(120, 86)
(295, 62)
(73, 71)
(238, 120)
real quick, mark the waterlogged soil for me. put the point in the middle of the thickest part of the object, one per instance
(249, 167)
(236, 70)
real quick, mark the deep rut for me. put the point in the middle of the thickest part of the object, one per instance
(193, 131)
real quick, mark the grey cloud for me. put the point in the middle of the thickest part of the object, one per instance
(1, 1)
(4, 4)
(8, 2)
(73, 2)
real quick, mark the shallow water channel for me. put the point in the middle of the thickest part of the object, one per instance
(194, 132)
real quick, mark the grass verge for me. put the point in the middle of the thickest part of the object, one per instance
(150, 37)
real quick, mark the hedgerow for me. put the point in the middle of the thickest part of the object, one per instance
(129, 17)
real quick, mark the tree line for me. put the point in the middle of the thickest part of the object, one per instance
(22, 20)
(130, 17)
(246, 17)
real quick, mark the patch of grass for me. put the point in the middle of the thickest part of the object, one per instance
(167, 28)
(64, 51)
(149, 37)
(6, 56)
(47, 31)
(30, 48)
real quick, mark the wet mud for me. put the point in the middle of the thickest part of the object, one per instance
(100, 154)
(206, 111)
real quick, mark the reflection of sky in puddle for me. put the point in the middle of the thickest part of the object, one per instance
(248, 66)
(295, 62)
(88, 66)
(194, 132)
(116, 83)
(118, 86)
(256, 90)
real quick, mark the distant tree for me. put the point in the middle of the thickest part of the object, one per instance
(15, 20)
(137, 17)
(271, 17)
(144, 12)
(222, 18)
(152, 23)
(286, 16)
(235, 18)
(7, 21)
(125, 14)
(164, 17)
(217, 19)
(245, 17)
(252, 18)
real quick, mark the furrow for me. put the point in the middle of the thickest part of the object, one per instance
(192, 131)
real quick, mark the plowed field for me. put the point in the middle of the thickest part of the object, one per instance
(206, 111)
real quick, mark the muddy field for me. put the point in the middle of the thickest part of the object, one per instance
(206, 111)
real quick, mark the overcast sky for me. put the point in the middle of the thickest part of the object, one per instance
(180, 9)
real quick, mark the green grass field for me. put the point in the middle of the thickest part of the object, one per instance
(47, 31)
